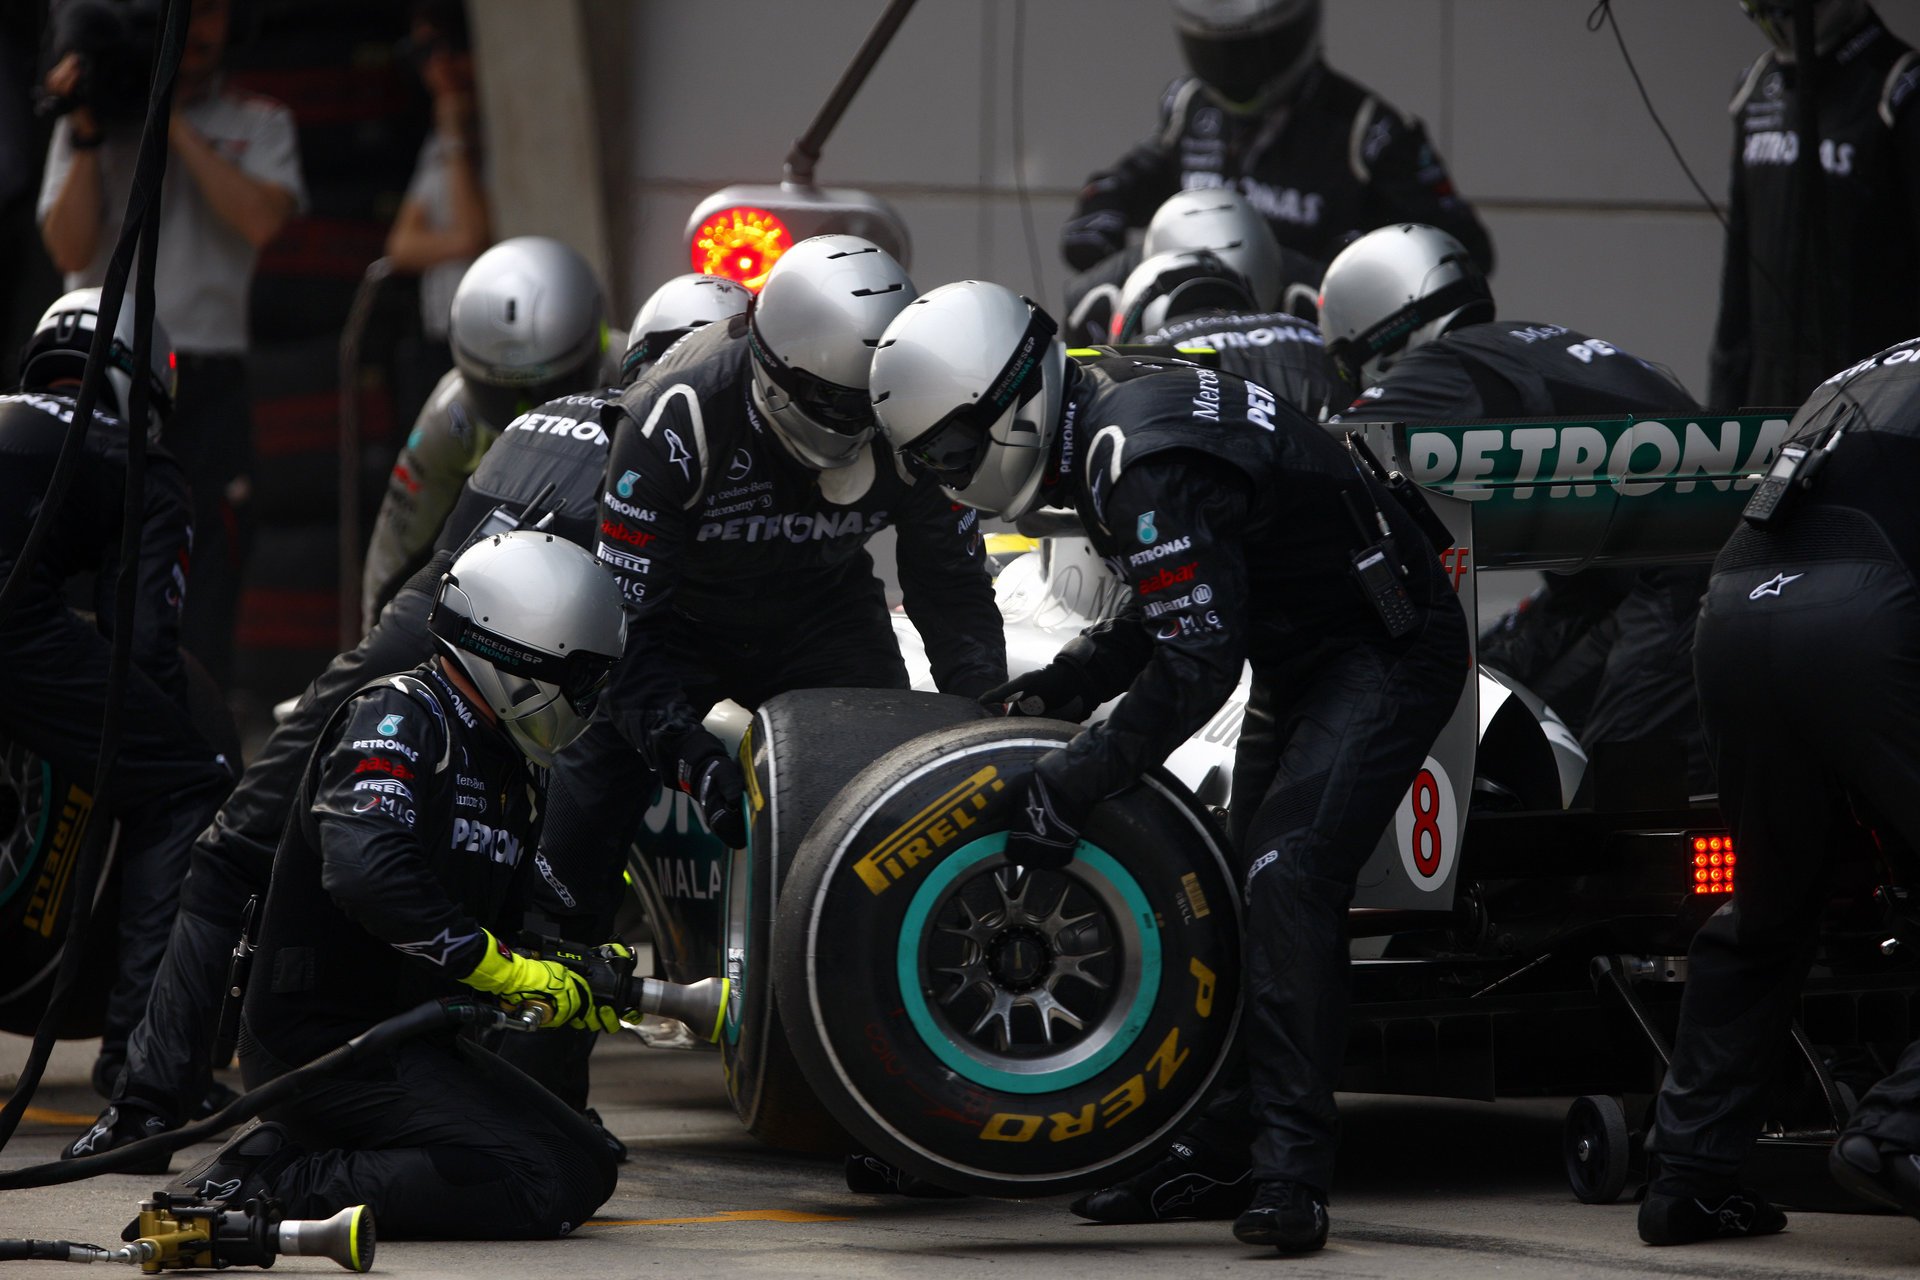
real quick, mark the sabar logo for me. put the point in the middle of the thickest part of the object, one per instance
(929, 831)
(1170, 576)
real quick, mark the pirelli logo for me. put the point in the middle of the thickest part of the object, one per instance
(43, 906)
(929, 831)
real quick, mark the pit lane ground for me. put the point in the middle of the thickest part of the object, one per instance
(1427, 1189)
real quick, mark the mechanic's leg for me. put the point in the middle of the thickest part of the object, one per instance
(1355, 739)
(167, 1054)
(444, 1141)
(1646, 690)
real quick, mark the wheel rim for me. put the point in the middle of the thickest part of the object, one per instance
(739, 904)
(1028, 984)
(26, 795)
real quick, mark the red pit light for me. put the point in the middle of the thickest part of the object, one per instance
(742, 244)
(1713, 863)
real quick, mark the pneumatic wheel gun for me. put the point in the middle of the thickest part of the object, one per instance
(609, 971)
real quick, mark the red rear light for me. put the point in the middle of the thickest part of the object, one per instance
(741, 243)
(1713, 862)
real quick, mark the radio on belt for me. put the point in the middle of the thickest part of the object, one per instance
(1792, 473)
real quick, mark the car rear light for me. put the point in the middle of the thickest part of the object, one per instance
(1713, 864)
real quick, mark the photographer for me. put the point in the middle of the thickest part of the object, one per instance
(233, 181)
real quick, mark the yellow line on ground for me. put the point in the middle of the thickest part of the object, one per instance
(47, 1115)
(735, 1215)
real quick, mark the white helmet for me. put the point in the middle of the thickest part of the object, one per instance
(536, 624)
(1170, 286)
(812, 330)
(57, 352)
(1249, 53)
(1223, 220)
(1395, 289)
(968, 384)
(527, 326)
(677, 307)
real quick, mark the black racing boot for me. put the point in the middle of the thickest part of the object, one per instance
(1290, 1216)
(1179, 1185)
(1885, 1175)
(1690, 1219)
(244, 1167)
(118, 1125)
(872, 1176)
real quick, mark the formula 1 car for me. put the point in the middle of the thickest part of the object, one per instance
(1520, 930)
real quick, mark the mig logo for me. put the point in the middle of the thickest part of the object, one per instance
(929, 831)
(390, 725)
(625, 487)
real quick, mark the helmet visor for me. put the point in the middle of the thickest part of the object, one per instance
(952, 450)
(847, 411)
(579, 675)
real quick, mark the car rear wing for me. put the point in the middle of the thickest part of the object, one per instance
(1566, 493)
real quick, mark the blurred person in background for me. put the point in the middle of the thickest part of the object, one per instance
(1797, 303)
(233, 180)
(443, 223)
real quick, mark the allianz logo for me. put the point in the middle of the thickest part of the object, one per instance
(1575, 460)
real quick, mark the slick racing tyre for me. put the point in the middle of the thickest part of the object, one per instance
(1000, 1033)
(802, 747)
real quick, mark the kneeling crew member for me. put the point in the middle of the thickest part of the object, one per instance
(400, 871)
(1236, 524)
(1806, 658)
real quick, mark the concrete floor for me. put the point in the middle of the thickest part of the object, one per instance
(1427, 1189)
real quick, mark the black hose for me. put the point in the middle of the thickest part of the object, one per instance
(142, 224)
(46, 1251)
(433, 1015)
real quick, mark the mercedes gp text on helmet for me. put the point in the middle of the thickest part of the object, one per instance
(527, 326)
(1172, 286)
(675, 309)
(968, 384)
(536, 625)
(1395, 289)
(57, 352)
(812, 331)
(1222, 220)
(1249, 53)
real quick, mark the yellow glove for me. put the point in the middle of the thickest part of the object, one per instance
(518, 979)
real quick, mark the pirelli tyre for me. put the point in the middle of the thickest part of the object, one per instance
(1000, 1032)
(800, 749)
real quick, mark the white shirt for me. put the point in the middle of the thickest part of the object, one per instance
(432, 188)
(204, 268)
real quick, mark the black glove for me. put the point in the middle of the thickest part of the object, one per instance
(709, 775)
(1091, 238)
(1043, 834)
(1058, 689)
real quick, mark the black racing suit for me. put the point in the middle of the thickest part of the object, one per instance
(1332, 162)
(1808, 659)
(1281, 352)
(411, 831)
(167, 779)
(747, 574)
(1779, 335)
(1613, 644)
(558, 450)
(1226, 512)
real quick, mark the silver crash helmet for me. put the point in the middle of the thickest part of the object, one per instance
(812, 331)
(968, 385)
(1393, 290)
(57, 352)
(1225, 223)
(536, 624)
(1170, 286)
(527, 326)
(675, 309)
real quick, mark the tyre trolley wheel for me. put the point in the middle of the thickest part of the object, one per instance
(1596, 1146)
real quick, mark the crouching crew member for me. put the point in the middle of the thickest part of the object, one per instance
(1238, 525)
(1807, 658)
(401, 870)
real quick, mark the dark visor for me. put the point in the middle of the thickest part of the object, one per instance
(846, 410)
(953, 448)
(1350, 355)
(578, 676)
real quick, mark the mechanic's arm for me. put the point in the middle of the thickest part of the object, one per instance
(1730, 359)
(946, 592)
(1428, 385)
(255, 207)
(72, 200)
(1192, 609)
(421, 493)
(1407, 181)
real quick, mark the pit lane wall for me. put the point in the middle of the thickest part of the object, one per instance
(1569, 493)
